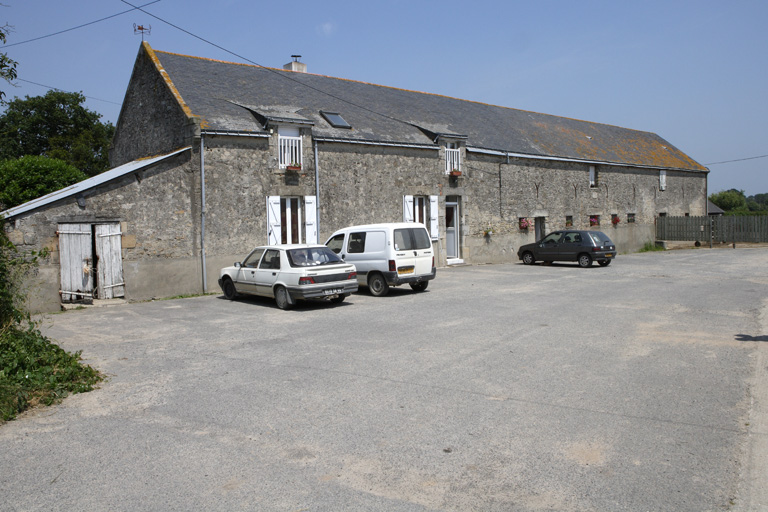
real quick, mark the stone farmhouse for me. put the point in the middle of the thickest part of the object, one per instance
(212, 158)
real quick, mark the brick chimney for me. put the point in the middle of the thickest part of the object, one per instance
(296, 65)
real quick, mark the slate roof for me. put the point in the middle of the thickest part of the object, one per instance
(239, 97)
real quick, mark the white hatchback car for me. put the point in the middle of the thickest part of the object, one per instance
(290, 273)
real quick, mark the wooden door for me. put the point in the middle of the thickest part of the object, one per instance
(109, 259)
(76, 258)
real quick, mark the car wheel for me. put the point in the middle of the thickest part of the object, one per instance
(378, 285)
(338, 299)
(420, 286)
(281, 298)
(585, 260)
(228, 287)
(528, 258)
(604, 263)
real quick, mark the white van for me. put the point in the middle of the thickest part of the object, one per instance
(387, 255)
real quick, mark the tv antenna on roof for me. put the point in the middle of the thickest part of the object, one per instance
(142, 29)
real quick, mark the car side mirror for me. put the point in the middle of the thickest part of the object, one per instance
(238, 264)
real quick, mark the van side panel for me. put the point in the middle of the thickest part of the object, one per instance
(373, 255)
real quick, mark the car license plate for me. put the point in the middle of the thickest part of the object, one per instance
(333, 291)
(609, 255)
(405, 270)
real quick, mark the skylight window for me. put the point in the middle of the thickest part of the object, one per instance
(335, 120)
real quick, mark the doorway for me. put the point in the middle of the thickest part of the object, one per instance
(539, 227)
(91, 261)
(452, 231)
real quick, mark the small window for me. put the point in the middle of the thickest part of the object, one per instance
(662, 180)
(594, 220)
(356, 243)
(630, 218)
(592, 176)
(253, 258)
(335, 120)
(410, 239)
(336, 243)
(271, 260)
(569, 221)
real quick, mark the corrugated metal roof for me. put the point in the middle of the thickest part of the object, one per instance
(225, 96)
(90, 183)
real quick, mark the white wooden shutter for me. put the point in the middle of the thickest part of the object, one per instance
(433, 225)
(110, 261)
(274, 231)
(310, 219)
(407, 208)
(662, 180)
(76, 260)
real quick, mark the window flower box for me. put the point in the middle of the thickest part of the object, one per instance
(594, 221)
(293, 167)
(525, 223)
(615, 220)
(455, 173)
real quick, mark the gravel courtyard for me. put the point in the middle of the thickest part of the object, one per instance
(639, 386)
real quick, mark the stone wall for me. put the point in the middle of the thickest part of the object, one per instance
(152, 120)
(160, 214)
(157, 211)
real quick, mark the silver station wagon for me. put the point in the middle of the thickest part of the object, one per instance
(289, 273)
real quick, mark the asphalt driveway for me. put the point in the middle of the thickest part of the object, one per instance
(639, 386)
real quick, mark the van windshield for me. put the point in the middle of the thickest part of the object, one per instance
(408, 239)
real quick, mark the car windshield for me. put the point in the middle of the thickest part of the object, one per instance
(312, 256)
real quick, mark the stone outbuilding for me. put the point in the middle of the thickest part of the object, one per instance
(212, 158)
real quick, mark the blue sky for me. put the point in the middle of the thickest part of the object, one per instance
(694, 72)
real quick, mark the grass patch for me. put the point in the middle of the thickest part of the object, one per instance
(650, 247)
(34, 371)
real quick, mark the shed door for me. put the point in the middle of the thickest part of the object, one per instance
(109, 261)
(76, 255)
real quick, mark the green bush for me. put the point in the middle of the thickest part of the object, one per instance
(32, 369)
(651, 246)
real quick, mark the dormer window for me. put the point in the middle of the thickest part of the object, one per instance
(335, 120)
(289, 147)
(452, 157)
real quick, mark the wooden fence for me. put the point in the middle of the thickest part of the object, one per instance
(718, 229)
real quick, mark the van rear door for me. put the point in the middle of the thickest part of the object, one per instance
(413, 250)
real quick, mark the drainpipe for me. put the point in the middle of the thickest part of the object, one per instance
(202, 208)
(317, 192)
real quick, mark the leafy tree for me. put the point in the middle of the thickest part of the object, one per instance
(56, 125)
(7, 65)
(730, 200)
(31, 177)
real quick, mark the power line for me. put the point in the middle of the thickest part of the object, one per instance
(739, 160)
(79, 26)
(61, 90)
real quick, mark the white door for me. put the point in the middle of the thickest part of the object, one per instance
(109, 257)
(76, 257)
(452, 234)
